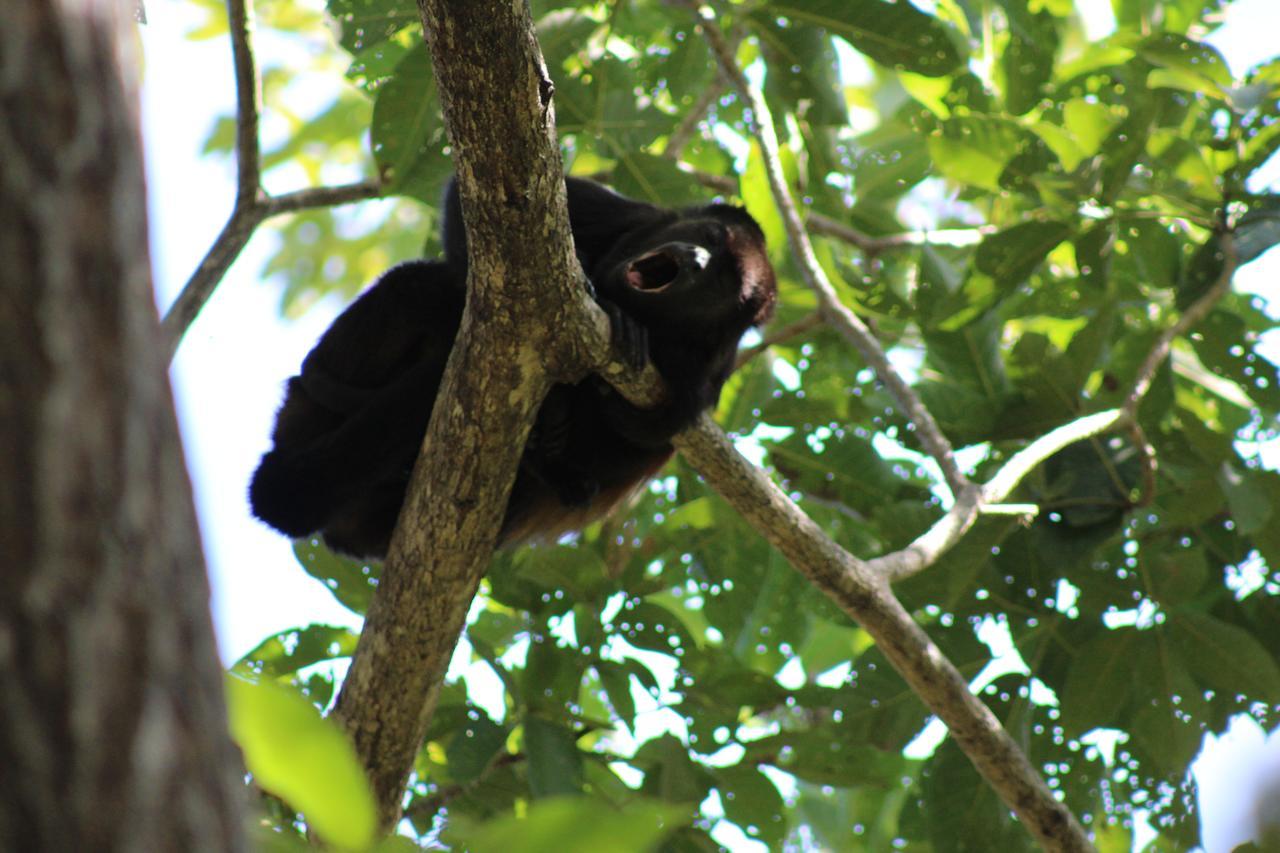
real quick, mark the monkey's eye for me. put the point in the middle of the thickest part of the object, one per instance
(653, 271)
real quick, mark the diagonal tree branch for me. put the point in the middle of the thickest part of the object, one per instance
(838, 315)
(528, 322)
(865, 596)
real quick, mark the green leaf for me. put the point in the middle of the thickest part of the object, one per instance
(894, 34)
(573, 825)
(976, 149)
(616, 680)
(802, 70)
(961, 812)
(1088, 123)
(752, 802)
(474, 746)
(1174, 574)
(1100, 681)
(599, 108)
(1190, 65)
(1167, 738)
(1225, 657)
(555, 762)
(407, 133)
(823, 758)
(1027, 60)
(669, 773)
(1152, 254)
(1259, 229)
(758, 199)
(658, 180)
(351, 582)
(1225, 346)
(562, 33)
(1246, 496)
(365, 23)
(285, 653)
(307, 761)
(1012, 255)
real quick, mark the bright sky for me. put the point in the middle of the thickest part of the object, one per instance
(232, 365)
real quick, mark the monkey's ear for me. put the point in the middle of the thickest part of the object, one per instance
(759, 286)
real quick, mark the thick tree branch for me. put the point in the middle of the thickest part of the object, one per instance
(528, 322)
(113, 728)
(253, 205)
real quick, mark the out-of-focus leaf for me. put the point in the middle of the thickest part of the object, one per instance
(752, 802)
(1225, 657)
(1188, 64)
(1027, 61)
(657, 180)
(351, 582)
(1258, 230)
(894, 34)
(961, 813)
(283, 654)
(306, 760)
(555, 762)
(573, 825)
(1100, 681)
(365, 23)
(1012, 255)
(407, 133)
(474, 746)
(976, 149)
(803, 70)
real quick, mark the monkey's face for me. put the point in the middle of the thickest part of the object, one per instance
(692, 272)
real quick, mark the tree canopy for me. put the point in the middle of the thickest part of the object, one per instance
(1039, 223)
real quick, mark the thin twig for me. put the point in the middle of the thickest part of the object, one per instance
(1196, 312)
(688, 127)
(253, 205)
(948, 530)
(958, 237)
(844, 320)
(321, 197)
(248, 101)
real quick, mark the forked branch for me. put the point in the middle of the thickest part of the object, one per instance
(253, 205)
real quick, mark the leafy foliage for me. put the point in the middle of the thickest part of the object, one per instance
(669, 667)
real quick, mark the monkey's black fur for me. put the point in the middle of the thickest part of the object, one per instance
(680, 287)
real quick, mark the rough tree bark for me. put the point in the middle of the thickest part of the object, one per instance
(522, 295)
(112, 728)
(524, 328)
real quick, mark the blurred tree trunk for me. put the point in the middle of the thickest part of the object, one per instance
(112, 729)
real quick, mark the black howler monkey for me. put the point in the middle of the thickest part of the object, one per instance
(680, 287)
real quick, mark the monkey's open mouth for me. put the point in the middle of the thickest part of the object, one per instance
(653, 272)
